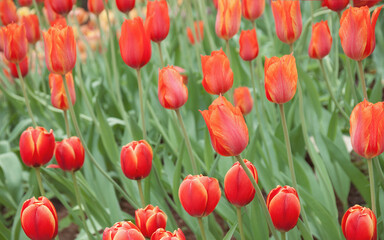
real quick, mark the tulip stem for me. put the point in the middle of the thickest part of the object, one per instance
(38, 12)
(331, 92)
(39, 181)
(259, 196)
(202, 228)
(362, 79)
(25, 94)
(283, 235)
(161, 54)
(240, 220)
(67, 124)
(141, 103)
(372, 185)
(351, 81)
(140, 187)
(187, 141)
(228, 52)
(291, 48)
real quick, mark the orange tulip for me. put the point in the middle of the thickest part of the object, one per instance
(172, 92)
(357, 32)
(359, 223)
(136, 159)
(125, 5)
(335, 5)
(321, 41)
(228, 18)
(2, 37)
(182, 73)
(25, 3)
(218, 75)
(51, 15)
(252, 9)
(23, 68)
(368, 3)
(32, 28)
(227, 127)
(58, 96)
(60, 49)
(288, 21)
(62, 7)
(161, 234)
(123, 231)
(243, 100)
(15, 43)
(157, 22)
(96, 6)
(199, 32)
(8, 12)
(280, 78)
(69, 154)
(249, 47)
(149, 219)
(367, 129)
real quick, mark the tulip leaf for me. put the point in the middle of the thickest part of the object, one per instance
(230, 232)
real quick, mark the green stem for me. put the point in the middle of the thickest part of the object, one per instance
(140, 187)
(331, 92)
(38, 13)
(25, 94)
(203, 14)
(351, 80)
(336, 70)
(161, 54)
(291, 48)
(38, 176)
(240, 221)
(67, 124)
(228, 52)
(259, 196)
(379, 170)
(372, 185)
(187, 141)
(141, 103)
(202, 228)
(362, 79)
(284, 234)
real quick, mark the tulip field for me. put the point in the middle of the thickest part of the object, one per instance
(191, 119)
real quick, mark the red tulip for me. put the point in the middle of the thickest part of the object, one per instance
(284, 207)
(228, 18)
(62, 7)
(39, 219)
(199, 32)
(60, 49)
(280, 78)
(25, 3)
(69, 154)
(8, 12)
(243, 100)
(252, 9)
(58, 95)
(15, 43)
(172, 92)
(321, 41)
(182, 73)
(226, 126)
(135, 44)
(31, 23)
(199, 195)
(36, 146)
(157, 22)
(96, 6)
(125, 5)
(216, 3)
(249, 48)
(136, 159)
(161, 234)
(237, 187)
(23, 68)
(218, 75)
(357, 32)
(368, 3)
(51, 15)
(123, 231)
(149, 219)
(359, 223)
(288, 21)
(335, 5)
(2, 38)
(367, 129)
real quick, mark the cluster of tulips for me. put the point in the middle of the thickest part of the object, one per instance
(198, 194)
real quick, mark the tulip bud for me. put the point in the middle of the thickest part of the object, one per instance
(172, 92)
(227, 127)
(136, 159)
(357, 32)
(199, 195)
(321, 41)
(58, 95)
(135, 44)
(125, 5)
(199, 32)
(123, 231)
(288, 21)
(182, 73)
(15, 43)
(218, 75)
(8, 12)
(243, 100)
(368, 3)
(157, 22)
(25, 3)
(335, 5)
(31, 23)
(51, 15)
(36, 146)
(284, 207)
(149, 219)
(252, 9)
(62, 7)
(249, 48)
(161, 234)
(96, 6)
(39, 219)
(280, 78)
(359, 223)
(237, 187)
(228, 18)
(69, 154)
(23, 68)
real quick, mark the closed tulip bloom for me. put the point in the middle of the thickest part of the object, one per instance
(359, 223)
(228, 18)
(123, 231)
(149, 219)
(25, 3)
(252, 9)
(217, 73)
(96, 6)
(162, 234)
(60, 49)
(135, 44)
(335, 5)
(23, 68)
(136, 159)
(157, 22)
(32, 28)
(368, 3)
(199, 195)
(199, 32)
(172, 92)
(321, 41)
(357, 32)
(62, 7)
(284, 207)
(249, 47)
(58, 95)
(51, 15)
(8, 12)
(280, 78)
(36, 146)
(243, 100)
(39, 219)
(15, 43)
(237, 187)
(125, 5)
(288, 21)
(367, 129)
(69, 154)
(227, 127)
(182, 73)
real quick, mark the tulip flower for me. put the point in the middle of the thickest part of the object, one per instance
(359, 223)
(237, 187)
(288, 21)
(36, 146)
(280, 78)
(284, 207)
(62, 7)
(357, 32)
(157, 22)
(199, 195)
(321, 41)
(217, 73)
(252, 9)
(199, 32)
(368, 3)
(15, 43)
(161, 234)
(58, 95)
(31, 23)
(182, 73)
(8, 12)
(69, 154)
(39, 219)
(172, 92)
(23, 68)
(96, 6)
(228, 18)
(149, 219)
(25, 3)
(136, 159)
(51, 15)
(335, 5)
(227, 127)
(249, 48)
(2, 38)
(243, 100)
(125, 5)
(216, 3)
(60, 49)
(123, 230)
